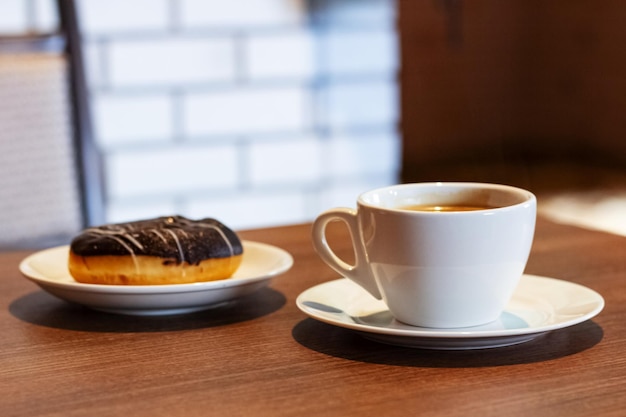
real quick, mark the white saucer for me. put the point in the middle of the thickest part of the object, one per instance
(539, 305)
(48, 269)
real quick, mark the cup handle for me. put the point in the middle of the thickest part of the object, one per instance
(359, 272)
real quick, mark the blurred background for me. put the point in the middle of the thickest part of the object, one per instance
(267, 112)
(256, 112)
(524, 92)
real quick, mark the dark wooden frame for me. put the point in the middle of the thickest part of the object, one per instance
(88, 156)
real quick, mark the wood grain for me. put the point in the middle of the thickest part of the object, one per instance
(261, 356)
(501, 91)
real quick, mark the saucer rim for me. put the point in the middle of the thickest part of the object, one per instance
(455, 333)
(157, 299)
(236, 280)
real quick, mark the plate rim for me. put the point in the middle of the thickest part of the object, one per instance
(458, 333)
(35, 276)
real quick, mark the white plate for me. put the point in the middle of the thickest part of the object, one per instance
(48, 269)
(539, 305)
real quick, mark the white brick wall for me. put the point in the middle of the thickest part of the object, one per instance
(343, 13)
(114, 16)
(241, 13)
(19, 16)
(256, 112)
(358, 51)
(293, 161)
(360, 156)
(13, 17)
(122, 119)
(172, 171)
(245, 209)
(361, 103)
(171, 61)
(246, 110)
(285, 55)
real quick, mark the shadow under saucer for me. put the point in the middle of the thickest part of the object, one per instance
(348, 344)
(43, 309)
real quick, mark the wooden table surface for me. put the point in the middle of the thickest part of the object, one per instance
(261, 356)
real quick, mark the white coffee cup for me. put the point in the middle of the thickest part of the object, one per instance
(440, 269)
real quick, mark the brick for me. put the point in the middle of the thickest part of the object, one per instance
(171, 61)
(136, 209)
(294, 161)
(352, 104)
(341, 13)
(253, 209)
(93, 65)
(287, 54)
(171, 171)
(254, 178)
(343, 52)
(13, 18)
(240, 111)
(45, 17)
(363, 155)
(241, 13)
(114, 16)
(123, 119)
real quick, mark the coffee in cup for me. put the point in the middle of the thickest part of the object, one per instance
(441, 255)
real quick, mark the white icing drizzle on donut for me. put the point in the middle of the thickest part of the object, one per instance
(206, 226)
(222, 234)
(122, 234)
(156, 232)
(118, 235)
(180, 248)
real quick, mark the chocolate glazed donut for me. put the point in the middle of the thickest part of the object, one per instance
(165, 250)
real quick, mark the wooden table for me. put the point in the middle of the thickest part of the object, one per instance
(260, 356)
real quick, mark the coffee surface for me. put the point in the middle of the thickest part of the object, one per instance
(446, 208)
